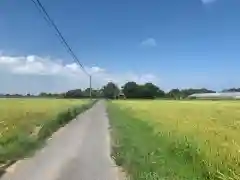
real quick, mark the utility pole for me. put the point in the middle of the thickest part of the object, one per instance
(90, 85)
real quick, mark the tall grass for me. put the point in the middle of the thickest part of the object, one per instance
(26, 123)
(191, 139)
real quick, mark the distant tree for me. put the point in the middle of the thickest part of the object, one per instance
(17, 95)
(231, 90)
(174, 94)
(145, 91)
(96, 93)
(131, 90)
(77, 93)
(43, 94)
(53, 95)
(184, 93)
(148, 91)
(86, 92)
(110, 90)
(187, 92)
(161, 94)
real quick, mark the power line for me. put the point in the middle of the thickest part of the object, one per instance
(63, 41)
(49, 23)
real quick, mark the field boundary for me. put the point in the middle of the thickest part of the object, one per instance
(28, 144)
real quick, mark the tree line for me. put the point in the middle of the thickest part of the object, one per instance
(130, 90)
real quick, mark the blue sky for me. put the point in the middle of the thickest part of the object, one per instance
(173, 43)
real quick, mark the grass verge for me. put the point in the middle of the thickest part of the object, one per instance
(145, 154)
(19, 144)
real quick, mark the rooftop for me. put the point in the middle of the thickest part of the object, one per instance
(221, 94)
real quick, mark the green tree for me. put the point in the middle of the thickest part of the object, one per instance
(43, 94)
(175, 94)
(77, 93)
(231, 90)
(131, 90)
(188, 92)
(110, 90)
(148, 91)
(161, 94)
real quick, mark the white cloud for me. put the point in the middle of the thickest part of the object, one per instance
(208, 1)
(149, 42)
(23, 74)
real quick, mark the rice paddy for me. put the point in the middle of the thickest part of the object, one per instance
(177, 139)
(25, 122)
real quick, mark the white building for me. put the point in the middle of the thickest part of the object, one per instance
(222, 95)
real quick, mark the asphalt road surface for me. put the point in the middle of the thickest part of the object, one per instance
(79, 151)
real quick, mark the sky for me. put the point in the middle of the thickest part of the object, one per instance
(172, 43)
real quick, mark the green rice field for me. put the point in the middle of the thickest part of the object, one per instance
(25, 122)
(177, 140)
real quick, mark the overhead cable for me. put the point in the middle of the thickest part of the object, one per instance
(63, 41)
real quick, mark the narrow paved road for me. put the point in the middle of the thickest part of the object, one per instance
(79, 151)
